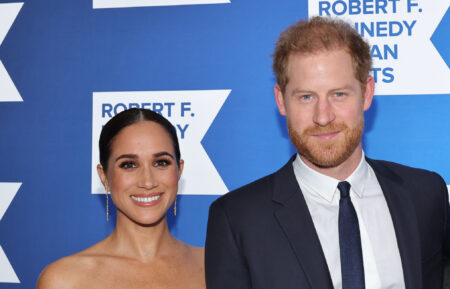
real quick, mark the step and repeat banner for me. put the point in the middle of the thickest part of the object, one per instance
(67, 67)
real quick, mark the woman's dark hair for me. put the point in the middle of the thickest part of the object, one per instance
(129, 117)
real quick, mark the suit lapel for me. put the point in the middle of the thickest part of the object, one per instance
(403, 216)
(294, 218)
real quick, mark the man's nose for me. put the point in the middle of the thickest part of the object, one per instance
(323, 112)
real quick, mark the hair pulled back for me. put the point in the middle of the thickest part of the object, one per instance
(127, 118)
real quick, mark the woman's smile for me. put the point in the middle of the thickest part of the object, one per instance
(146, 200)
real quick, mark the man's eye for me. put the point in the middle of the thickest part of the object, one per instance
(128, 165)
(162, 163)
(306, 97)
(339, 94)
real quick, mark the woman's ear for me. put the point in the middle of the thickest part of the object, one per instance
(180, 168)
(102, 175)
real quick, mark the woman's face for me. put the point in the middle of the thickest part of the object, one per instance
(142, 172)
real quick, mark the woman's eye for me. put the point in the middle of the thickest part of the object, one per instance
(162, 163)
(128, 165)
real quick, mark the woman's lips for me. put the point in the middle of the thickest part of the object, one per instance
(146, 200)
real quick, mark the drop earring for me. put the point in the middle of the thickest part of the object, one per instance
(175, 207)
(107, 206)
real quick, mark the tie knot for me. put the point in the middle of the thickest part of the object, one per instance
(344, 188)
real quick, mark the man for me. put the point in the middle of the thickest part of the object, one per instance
(330, 218)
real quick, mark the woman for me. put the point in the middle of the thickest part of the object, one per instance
(140, 166)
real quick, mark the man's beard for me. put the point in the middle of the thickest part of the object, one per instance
(327, 153)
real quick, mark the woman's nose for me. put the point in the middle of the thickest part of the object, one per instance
(147, 179)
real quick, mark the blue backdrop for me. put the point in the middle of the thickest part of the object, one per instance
(58, 53)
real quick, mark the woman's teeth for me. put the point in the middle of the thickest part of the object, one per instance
(146, 199)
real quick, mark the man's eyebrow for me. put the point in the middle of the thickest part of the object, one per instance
(299, 90)
(345, 87)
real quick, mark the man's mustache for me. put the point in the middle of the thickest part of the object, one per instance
(332, 127)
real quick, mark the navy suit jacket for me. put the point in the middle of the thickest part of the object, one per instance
(262, 236)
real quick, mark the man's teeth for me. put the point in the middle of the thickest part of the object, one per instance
(147, 199)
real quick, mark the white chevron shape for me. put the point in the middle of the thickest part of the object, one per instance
(7, 274)
(96, 4)
(416, 66)
(8, 13)
(191, 112)
(7, 193)
(8, 91)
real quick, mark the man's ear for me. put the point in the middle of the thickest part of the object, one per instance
(279, 98)
(368, 92)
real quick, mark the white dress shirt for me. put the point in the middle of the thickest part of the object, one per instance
(381, 257)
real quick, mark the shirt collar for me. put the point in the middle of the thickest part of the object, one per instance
(326, 186)
(359, 177)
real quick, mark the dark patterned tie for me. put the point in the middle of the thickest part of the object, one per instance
(352, 266)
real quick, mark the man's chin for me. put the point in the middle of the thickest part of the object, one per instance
(322, 161)
(325, 155)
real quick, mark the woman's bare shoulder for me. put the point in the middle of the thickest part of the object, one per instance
(198, 253)
(194, 266)
(192, 257)
(61, 273)
(69, 271)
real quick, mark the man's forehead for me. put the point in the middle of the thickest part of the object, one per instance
(300, 58)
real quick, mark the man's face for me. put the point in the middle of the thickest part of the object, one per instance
(324, 106)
